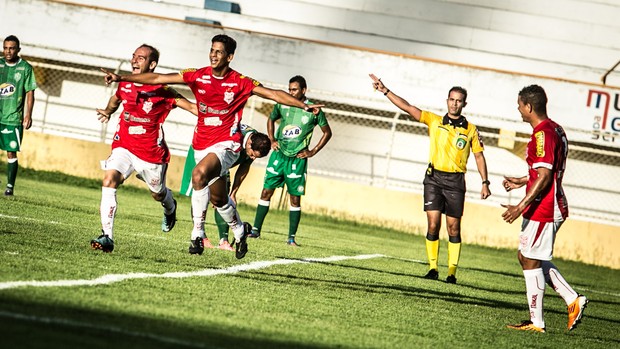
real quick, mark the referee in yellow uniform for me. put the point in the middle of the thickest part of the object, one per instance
(452, 138)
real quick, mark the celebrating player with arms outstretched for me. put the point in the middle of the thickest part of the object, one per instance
(138, 144)
(221, 94)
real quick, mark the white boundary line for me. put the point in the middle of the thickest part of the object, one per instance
(112, 278)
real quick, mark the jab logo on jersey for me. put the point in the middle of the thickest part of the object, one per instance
(291, 131)
(147, 106)
(229, 96)
(6, 90)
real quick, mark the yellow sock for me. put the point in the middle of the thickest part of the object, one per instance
(454, 253)
(432, 252)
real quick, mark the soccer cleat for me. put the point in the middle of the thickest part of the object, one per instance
(196, 246)
(103, 243)
(526, 325)
(291, 242)
(255, 233)
(241, 246)
(432, 274)
(8, 192)
(169, 220)
(207, 243)
(225, 245)
(575, 311)
(451, 279)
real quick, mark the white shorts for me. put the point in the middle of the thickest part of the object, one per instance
(123, 161)
(227, 152)
(537, 238)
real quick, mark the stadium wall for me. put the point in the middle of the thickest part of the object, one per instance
(482, 224)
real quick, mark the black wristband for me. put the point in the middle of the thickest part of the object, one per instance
(486, 181)
(386, 92)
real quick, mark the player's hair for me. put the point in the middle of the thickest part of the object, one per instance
(535, 96)
(12, 38)
(230, 45)
(154, 55)
(460, 90)
(300, 80)
(261, 142)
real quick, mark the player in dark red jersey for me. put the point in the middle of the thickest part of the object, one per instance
(221, 94)
(544, 209)
(138, 144)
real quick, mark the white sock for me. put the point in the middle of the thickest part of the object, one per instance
(535, 287)
(200, 201)
(557, 282)
(231, 216)
(107, 210)
(264, 202)
(168, 202)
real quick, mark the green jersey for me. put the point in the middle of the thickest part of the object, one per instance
(296, 127)
(15, 81)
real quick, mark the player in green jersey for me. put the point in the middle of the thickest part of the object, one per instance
(288, 162)
(17, 85)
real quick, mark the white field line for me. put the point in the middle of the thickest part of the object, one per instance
(28, 219)
(101, 328)
(112, 278)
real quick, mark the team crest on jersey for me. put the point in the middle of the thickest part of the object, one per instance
(229, 96)
(17, 76)
(540, 143)
(6, 90)
(126, 116)
(291, 131)
(202, 107)
(147, 106)
(305, 119)
(461, 143)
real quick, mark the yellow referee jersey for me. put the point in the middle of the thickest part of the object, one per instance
(451, 141)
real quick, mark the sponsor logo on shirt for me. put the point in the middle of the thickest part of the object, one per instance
(6, 90)
(229, 84)
(136, 130)
(148, 94)
(291, 131)
(217, 111)
(201, 91)
(213, 121)
(540, 143)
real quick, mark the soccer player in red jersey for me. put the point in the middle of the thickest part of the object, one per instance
(221, 94)
(544, 209)
(138, 144)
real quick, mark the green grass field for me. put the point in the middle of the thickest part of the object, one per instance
(55, 292)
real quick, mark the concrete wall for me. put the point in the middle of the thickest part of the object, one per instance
(482, 224)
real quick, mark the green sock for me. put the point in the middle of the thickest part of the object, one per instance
(222, 226)
(12, 173)
(294, 216)
(261, 212)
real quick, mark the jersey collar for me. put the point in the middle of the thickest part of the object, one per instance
(460, 122)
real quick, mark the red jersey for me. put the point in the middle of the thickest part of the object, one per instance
(145, 108)
(220, 102)
(548, 148)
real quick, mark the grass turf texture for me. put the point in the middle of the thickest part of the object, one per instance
(380, 302)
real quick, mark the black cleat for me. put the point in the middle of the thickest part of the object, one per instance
(103, 243)
(196, 246)
(169, 220)
(432, 274)
(241, 246)
(451, 279)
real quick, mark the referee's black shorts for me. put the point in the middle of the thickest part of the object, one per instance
(445, 192)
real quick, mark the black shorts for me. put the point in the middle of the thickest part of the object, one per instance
(445, 192)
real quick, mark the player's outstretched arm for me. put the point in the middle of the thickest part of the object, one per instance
(185, 104)
(104, 115)
(282, 97)
(144, 78)
(398, 101)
